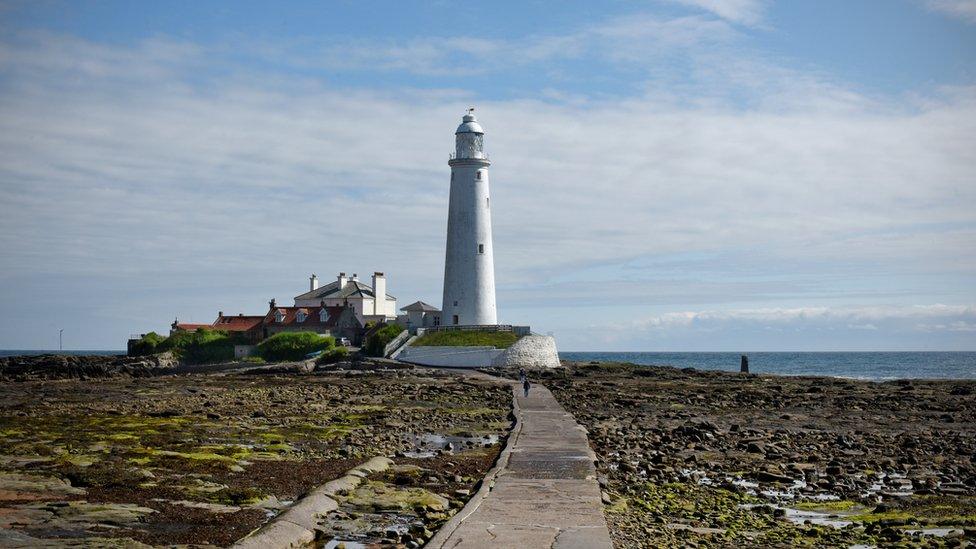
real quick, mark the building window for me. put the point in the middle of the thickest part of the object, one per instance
(300, 317)
(456, 320)
(437, 321)
(279, 317)
(481, 248)
(323, 315)
(455, 303)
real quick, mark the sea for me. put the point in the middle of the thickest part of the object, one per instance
(34, 352)
(872, 366)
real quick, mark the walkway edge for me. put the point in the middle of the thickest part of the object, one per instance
(445, 531)
(296, 526)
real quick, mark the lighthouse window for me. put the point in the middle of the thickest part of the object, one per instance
(481, 248)
(478, 175)
(487, 202)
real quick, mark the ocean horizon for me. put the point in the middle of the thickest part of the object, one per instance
(863, 365)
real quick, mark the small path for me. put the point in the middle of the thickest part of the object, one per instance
(544, 492)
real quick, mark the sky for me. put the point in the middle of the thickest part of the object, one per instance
(667, 175)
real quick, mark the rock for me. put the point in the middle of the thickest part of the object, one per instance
(165, 413)
(756, 448)
(766, 476)
(41, 367)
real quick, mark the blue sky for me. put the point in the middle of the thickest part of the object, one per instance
(668, 175)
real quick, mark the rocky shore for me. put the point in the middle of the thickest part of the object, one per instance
(204, 459)
(38, 367)
(713, 459)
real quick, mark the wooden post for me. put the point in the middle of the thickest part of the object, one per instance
(744, 365)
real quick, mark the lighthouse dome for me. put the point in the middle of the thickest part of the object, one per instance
(469, 124)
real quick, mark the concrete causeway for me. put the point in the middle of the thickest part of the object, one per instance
(542, 493)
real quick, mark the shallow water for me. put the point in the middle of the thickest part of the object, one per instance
(427, 445)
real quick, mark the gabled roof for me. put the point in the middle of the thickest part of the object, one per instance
(420, 306)
(352, 289)
(239, 323)
(290, 316)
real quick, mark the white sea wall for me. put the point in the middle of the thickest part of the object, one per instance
(451, 357)
(531, 351)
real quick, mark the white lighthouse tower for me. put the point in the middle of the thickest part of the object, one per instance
(469, 269)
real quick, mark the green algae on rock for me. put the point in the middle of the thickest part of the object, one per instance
(214, 456)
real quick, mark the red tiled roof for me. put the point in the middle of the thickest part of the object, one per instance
(190, 327)
(239, 323)
(312, 316)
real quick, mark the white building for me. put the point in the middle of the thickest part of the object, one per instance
(362, 297)
(469, 267)
(421, 315)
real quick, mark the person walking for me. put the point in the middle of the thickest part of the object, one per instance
(526, 385)
(521, 375)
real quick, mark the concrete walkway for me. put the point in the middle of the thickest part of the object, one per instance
(543, 492)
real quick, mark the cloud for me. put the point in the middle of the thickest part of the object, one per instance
(168, 167)
(853, 328)
(855, 316)
(745, 12)
(642, 38)
(963, 9)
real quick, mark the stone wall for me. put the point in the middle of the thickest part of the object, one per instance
(453, 357)
(532, 351)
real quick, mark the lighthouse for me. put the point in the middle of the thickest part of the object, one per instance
(469, 267)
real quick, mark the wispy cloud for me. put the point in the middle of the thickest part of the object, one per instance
(643, 38)
(747, 12)
(963, 9)
(833, 316)
(911, 327)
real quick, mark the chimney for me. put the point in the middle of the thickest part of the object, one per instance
(342, 280)
(355, 277)
(313, 283)
(271, 304)
(220, 314)
(379, 294)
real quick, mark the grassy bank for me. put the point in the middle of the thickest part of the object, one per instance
(204, 346)
(498, 340)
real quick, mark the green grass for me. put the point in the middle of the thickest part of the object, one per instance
(200, 346)
(293, 345)
(498, 340)
(377, 342)
(147, 344)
